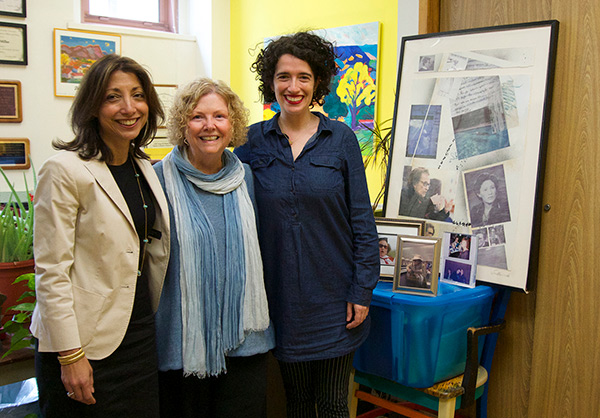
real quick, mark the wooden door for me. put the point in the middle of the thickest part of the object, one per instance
(547, 363)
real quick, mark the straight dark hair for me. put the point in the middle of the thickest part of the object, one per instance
(85, 109)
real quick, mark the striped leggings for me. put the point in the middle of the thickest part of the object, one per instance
(318, 387)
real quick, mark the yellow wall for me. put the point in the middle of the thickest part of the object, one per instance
(254, 20)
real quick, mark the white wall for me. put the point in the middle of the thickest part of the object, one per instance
(171, 59)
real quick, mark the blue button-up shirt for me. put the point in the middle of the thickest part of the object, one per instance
(318, 237)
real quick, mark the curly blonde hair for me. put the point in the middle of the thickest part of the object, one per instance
(188, 97)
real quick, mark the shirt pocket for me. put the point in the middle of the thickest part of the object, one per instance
(262, 168)
(326, 172)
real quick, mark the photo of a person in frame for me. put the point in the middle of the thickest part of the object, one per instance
(460, 245)
(384, 252)
(457, 272)
(417, 273)
(416, 202)
(488, 199)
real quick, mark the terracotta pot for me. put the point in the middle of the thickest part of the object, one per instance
(8, 273)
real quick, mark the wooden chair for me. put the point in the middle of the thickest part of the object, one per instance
(446, 396)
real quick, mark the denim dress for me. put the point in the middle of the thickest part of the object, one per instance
(317, 234)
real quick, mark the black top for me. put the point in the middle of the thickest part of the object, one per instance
(124, 175)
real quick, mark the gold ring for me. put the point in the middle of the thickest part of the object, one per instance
(70, 394)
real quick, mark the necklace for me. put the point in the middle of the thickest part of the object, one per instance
(145, 207)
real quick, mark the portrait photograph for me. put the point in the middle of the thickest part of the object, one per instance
(417, 266)
(426, 63)
(487, 196)
(428, 194)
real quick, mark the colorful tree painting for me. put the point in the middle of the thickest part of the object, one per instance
(354, 89)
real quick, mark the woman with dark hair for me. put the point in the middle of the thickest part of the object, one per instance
(490, 210)
(317, 232)
(101, 244)
(213, 320)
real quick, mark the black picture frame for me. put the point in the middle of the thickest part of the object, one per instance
(484, 101)
(20, 12)
(13, 35)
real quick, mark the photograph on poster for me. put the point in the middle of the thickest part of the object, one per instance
(487, 196)
(388, 231)
(470, 121)
(423, 130)
(417, 266)
(428, 193)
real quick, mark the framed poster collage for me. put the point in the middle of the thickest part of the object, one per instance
(467, 154)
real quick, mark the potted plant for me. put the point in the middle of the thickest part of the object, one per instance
(16, 245)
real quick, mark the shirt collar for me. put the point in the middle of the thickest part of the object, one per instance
(325, 124)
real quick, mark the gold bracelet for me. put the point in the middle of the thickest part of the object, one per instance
(71, 358)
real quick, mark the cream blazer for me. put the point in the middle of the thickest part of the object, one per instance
(86, 255)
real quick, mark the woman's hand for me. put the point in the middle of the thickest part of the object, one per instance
(355, 313)
(78, 379)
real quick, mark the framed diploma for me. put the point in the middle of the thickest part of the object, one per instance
(13, 43)
(11, 109)
(15, 8)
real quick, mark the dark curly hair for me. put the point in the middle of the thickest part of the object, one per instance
(85, 109)
(313, 49)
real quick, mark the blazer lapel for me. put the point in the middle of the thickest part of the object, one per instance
(106, 181)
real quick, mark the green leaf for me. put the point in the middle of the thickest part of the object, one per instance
(22, 318)
(11, 327)
(26, 295)
(27, 307)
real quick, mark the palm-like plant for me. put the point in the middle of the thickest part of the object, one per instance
(16, 225)
(378, 152)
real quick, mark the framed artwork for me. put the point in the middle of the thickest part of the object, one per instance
(14, 8)
(468, 146)
(13, 43)
(14, 153)
(166, 95)
(353, 95)
(388, 231)
(417, 266)
(74, 52)
(11, 107)
(459, 259)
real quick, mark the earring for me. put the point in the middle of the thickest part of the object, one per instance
(185, 141)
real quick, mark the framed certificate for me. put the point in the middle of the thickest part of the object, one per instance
(15, 8)
(13, 43)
